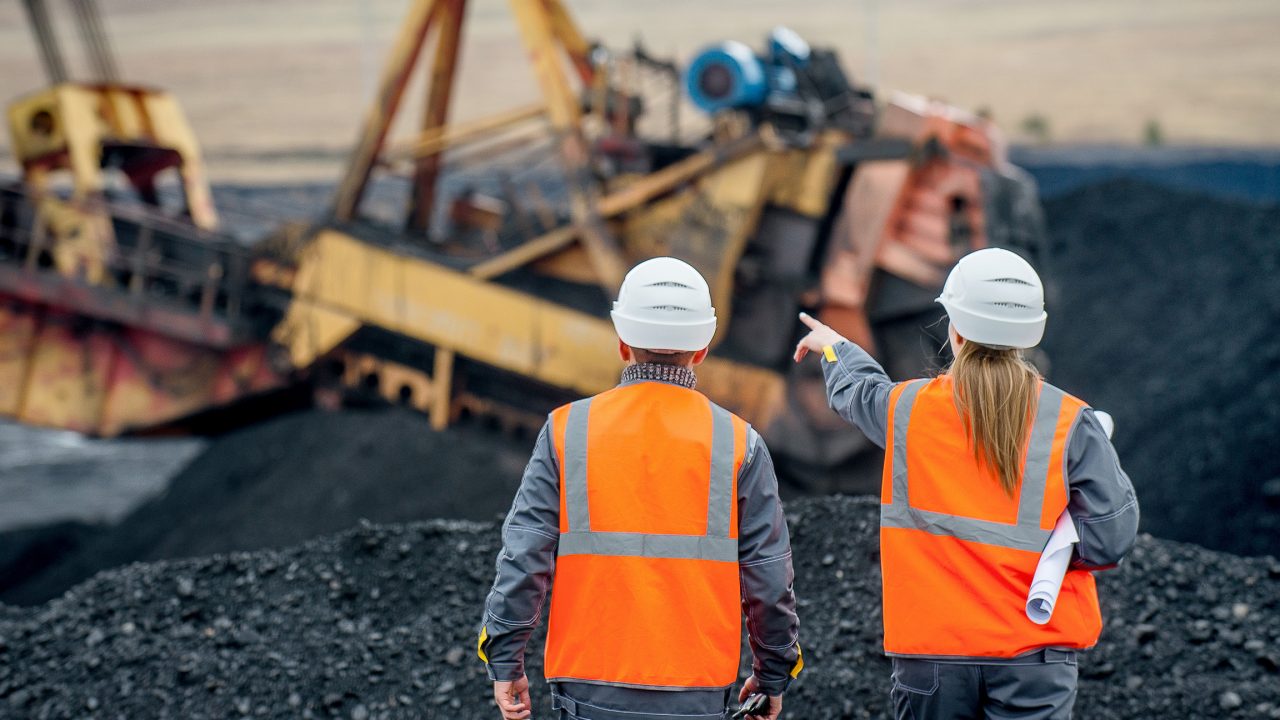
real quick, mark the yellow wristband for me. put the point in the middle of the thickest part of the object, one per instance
(829, 353)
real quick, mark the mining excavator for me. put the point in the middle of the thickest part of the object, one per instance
(467, 271)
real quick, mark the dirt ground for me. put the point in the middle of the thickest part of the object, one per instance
(276, 89)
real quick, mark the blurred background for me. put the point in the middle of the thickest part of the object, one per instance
(275, 89)
(1151, 153)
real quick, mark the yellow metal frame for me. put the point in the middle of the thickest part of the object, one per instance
(80, 119)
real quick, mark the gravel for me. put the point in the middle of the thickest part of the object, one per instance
(379, 622)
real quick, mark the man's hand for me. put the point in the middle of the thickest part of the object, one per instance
(512, 698)
(752, 686)
(819, 337)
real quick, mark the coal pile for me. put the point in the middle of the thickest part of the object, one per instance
(1165, 311)
(280, 483)
(379, 622)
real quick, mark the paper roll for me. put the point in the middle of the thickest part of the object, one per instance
(1107, 422)
(1052, 568)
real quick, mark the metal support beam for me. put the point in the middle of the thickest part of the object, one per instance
(95, 40)
(441, 389)
(538, 29)
(395, 76)
(440, 139)
(38, 15)
(524, 253)
(439, 91)
(571, 39)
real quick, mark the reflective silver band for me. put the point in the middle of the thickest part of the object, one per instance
(901, 420)
(986, 532)
(720, 499)
(581, 540)
(1035, 473)
(1025, 533)
(575, 466)
(691, 547)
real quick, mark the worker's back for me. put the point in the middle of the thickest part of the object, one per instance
(647, 589)
(958, 551)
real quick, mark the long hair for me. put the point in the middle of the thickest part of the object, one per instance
(996, 393)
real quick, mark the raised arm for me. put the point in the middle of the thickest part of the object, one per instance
(857, 387)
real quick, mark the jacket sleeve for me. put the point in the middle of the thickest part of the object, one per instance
(530, 537)
(1101, 498)
(764, 561)
(858, 390)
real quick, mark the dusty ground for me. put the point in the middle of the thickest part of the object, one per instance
(288, 79)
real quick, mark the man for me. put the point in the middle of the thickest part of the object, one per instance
(656, 514)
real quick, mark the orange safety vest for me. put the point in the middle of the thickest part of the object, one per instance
(646, 589)
(956, 552)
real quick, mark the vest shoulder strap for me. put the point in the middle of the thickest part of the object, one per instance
(718, 542)
(1026, 533)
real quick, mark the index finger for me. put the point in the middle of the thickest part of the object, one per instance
(812, 322)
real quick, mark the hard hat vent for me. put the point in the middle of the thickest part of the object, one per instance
(664, 304)
(993, 297)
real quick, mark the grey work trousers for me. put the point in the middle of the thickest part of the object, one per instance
(584, 701)
(1039, 686)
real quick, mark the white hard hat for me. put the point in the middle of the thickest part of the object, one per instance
(664, 304)
(995, 298)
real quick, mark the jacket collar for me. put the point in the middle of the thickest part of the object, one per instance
(671, 374)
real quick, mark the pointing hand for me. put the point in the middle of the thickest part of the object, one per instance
(819, 337)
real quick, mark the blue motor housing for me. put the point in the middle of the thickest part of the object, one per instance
(728, 75)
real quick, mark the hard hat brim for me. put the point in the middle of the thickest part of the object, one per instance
(995, 332)
(649, 335)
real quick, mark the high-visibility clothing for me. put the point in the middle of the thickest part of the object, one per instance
(957, 552)
(646, 590)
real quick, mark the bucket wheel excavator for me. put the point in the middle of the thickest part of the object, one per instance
(467, 270)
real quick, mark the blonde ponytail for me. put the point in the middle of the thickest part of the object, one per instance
(996, 393)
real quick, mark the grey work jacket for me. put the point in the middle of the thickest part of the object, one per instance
(526, 568)
(1101, 499)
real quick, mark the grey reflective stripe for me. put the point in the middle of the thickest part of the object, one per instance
(695, 547)
(901, 419)
(720, 499)
(582, 540)
(1025, 533)
(575, 466)
(986, 532)
(1035, 473)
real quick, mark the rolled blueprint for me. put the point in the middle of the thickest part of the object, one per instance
(1106, 421)
(1051, 569)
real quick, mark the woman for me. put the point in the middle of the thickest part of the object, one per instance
(980, 463)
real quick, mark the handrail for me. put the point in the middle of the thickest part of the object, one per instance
(212, 275)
